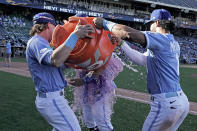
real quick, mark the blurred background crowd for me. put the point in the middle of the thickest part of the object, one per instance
(15, 24)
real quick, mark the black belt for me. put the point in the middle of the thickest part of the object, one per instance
(44, 95)
(168, 95)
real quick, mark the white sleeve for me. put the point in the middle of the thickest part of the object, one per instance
(134, 56)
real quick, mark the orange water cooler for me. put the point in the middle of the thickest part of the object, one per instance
(88, 53)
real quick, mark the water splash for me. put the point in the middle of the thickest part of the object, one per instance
(119, 54)
(73, 96)
(76, 104)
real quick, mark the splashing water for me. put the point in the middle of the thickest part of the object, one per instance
(124, 60)
(72, 94)
(75, 101)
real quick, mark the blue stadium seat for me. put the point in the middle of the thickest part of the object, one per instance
(184, 3)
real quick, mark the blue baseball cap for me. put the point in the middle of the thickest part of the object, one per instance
(81, 15)
(42, 18)
(160, 14)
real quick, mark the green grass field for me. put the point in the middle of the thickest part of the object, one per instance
(18, 112)
(137, 81)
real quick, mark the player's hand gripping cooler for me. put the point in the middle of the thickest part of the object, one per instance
(88, 53)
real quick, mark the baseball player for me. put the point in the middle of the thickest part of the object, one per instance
(8, 53)
(97, 94)
(46, 68)
(169, 104)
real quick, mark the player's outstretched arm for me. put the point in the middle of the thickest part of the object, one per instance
(134, 55)
(130, 34)
(121, 31)
(60, 54)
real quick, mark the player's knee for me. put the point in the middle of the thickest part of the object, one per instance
(168, 123)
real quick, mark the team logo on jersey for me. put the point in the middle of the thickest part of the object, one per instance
(174, 46)
(43, 50)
